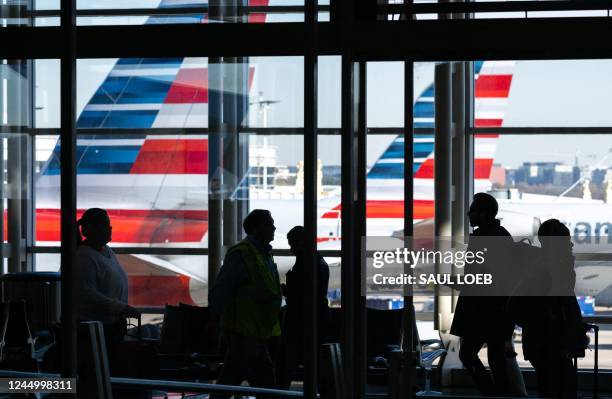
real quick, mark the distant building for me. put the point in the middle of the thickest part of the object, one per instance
(498, 176)
(511, 177)
(563, 175)
(598, 176)
(546, 173)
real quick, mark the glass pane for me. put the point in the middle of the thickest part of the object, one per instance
(385, 160)
(155, 184)
(275, 181)
(385, 94)
(30, 13)
(151, 283)
(157, 280)
(329, 92)
(138, 12)
(568, 93)
(173, 92)
(329, 224)
(18, 99)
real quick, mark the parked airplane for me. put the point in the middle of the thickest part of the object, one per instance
(588, 222)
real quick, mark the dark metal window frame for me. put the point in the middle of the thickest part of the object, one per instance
(406, 10)
(325, 131)
(132, 12)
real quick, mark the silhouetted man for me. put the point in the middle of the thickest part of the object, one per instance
(481, 320)
(247, 295)
(293, 327)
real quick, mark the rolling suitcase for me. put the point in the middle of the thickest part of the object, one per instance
(595, 328)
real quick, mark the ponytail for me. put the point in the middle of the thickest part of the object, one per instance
(79, 237)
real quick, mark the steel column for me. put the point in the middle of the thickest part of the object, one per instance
(407, 365)
(231, 91)
(215, 168)
(68, 162)
(311, 343)
(442, 183)
(18, 114)
(459, 183)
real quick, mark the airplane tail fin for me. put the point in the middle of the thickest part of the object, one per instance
(492, 87)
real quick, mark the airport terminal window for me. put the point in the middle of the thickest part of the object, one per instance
(385, 167)
(108, 88)
(385, 94)
(139, 12)
(275, 181)
(47, 195)
(28, 14)
(329, 84)
(168, 174)
(27, 93)
(154, 281)
(173, 92)
(330, 194)
(136, 12)
(559, 93)
(540, 14)
(155, 184)
(144, 148)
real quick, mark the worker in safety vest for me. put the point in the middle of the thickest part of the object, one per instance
(247, 296)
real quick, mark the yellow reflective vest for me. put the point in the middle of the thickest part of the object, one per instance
(254, 310)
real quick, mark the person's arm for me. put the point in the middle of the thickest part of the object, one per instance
(90, 296)
(323, 277)
(231, 275)
(287, 288)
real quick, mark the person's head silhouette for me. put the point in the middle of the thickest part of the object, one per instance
(482, 210)
(260, 225)
(95, 227)
(554, 236)
(295, 237)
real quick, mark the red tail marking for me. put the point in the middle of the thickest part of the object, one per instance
(491, 86)
(172, 156)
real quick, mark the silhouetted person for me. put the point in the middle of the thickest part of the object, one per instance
(293, 328)
(553, 331)
(102, 282)
(247, 295)
(481, 320)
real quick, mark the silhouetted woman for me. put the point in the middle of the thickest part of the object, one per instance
(553, 331)
(102, 282)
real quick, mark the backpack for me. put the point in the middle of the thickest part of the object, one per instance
(521, 285)
(575, 339)
(525, 258)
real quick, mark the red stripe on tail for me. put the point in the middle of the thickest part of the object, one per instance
(172, 156)
(490, 86)
(138, 226)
